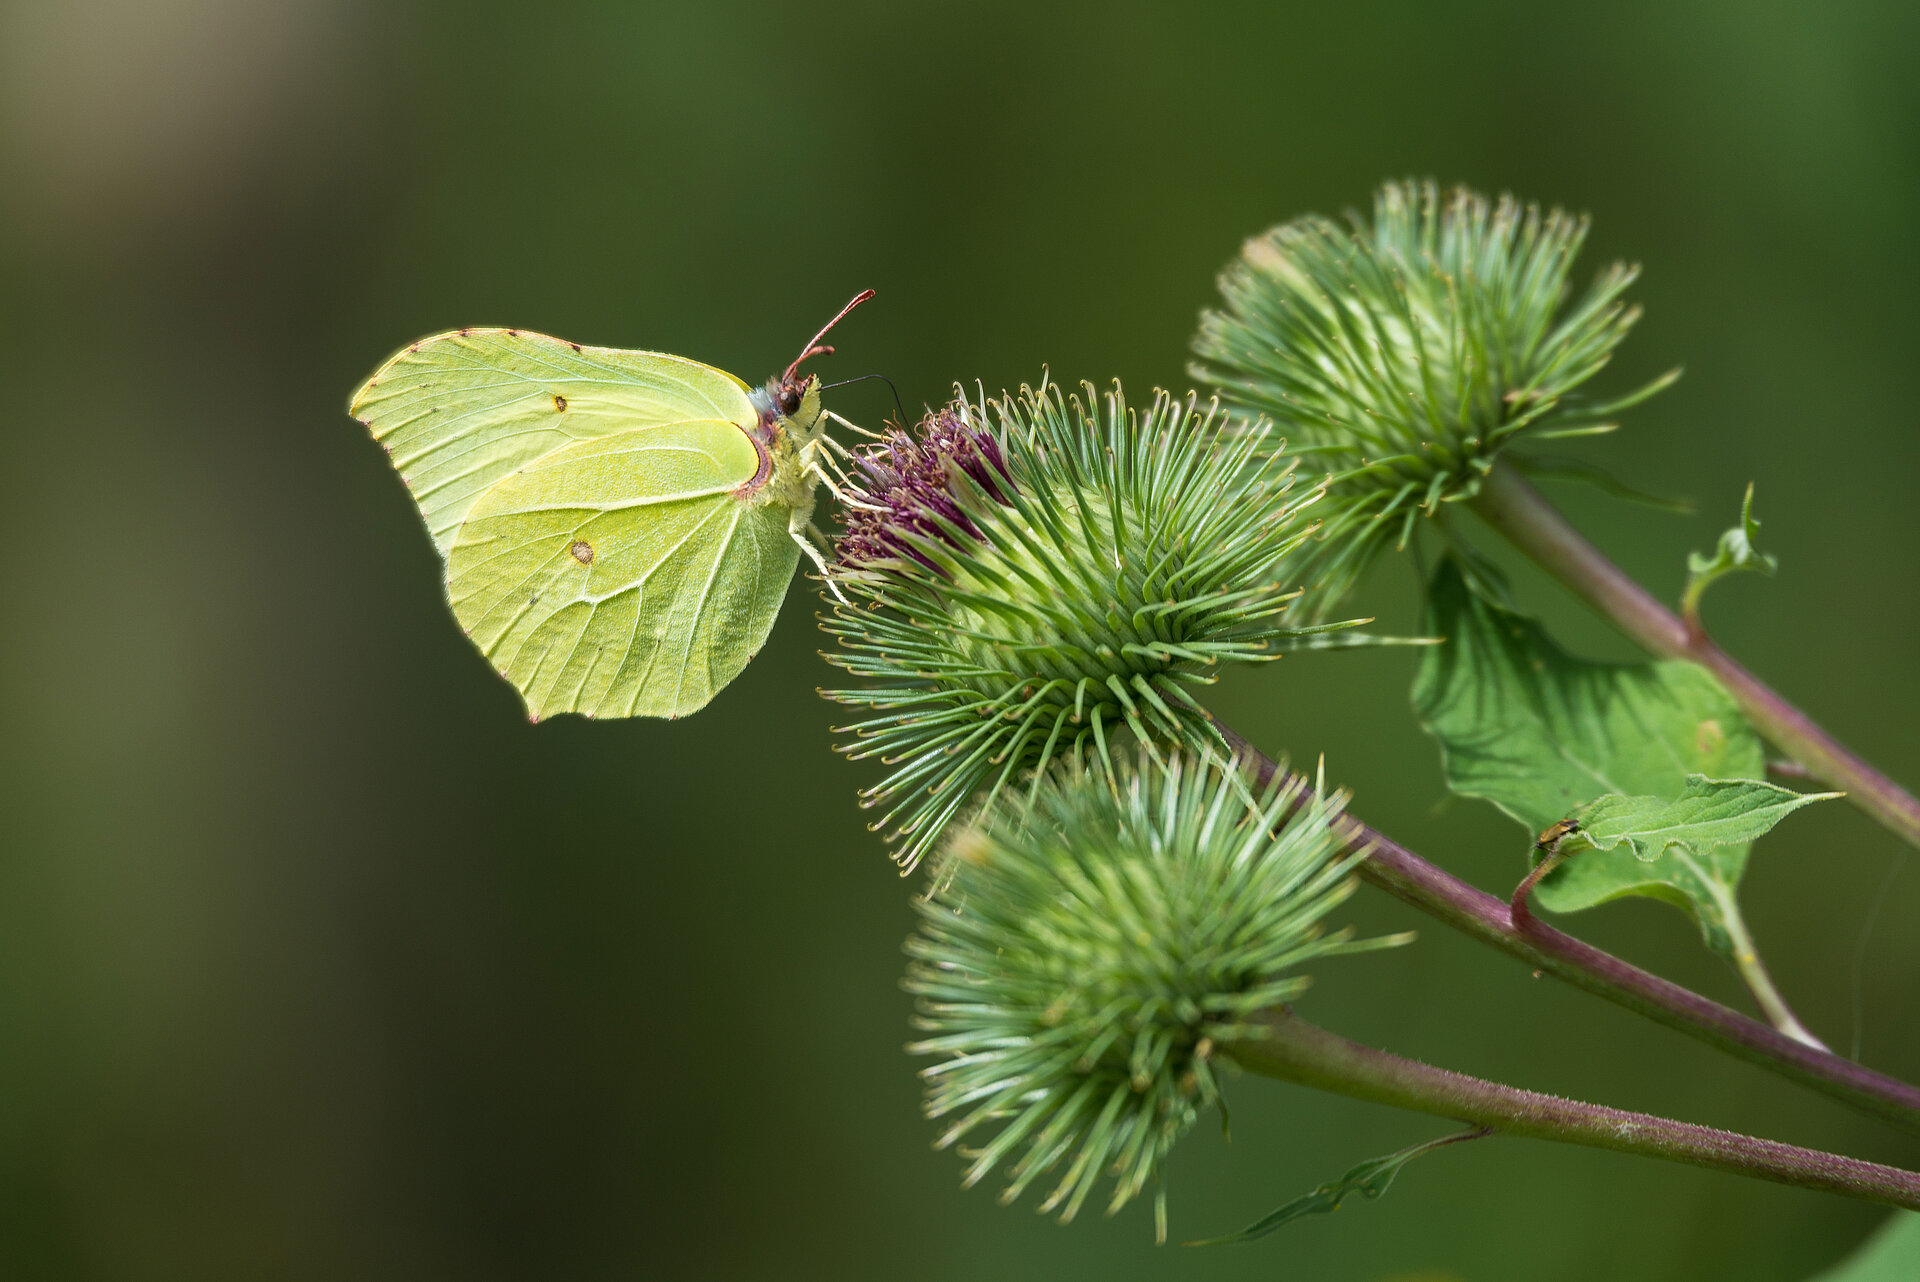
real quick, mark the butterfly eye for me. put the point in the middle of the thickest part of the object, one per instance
(789, 400)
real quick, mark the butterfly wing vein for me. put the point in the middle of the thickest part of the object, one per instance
(460, 412)
(583, 501)
(619, 576)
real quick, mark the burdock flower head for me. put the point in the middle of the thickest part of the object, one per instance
(1031, 576)
(1086, 957)
(905, 491)
(1410, 350)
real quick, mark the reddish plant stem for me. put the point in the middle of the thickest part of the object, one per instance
(1406, 876)
(1298, 1051)
(1511, 505)
(1517, 906)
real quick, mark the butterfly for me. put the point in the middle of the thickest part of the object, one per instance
(618, 527)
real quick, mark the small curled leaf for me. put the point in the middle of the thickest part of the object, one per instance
(1689, 850)
(1369, 1179)
(1736, 552)
(1711, 812)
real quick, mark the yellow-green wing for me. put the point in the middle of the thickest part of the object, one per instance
(459, 412)
(620, 576)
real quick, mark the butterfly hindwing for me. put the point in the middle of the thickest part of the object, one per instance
(623, 575)
(460, 412)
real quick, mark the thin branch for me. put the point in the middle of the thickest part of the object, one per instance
(1446, 898)
(1509, 503)
(1753, 971)
(1518, 909)
(1298, 1051)
(1746, 957)
(1780, 768)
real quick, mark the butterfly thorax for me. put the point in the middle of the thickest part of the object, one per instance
(789, 421)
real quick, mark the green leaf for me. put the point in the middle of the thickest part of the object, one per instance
(1541, 733)
(1369, 1179)
(1892, 1254)
(1709, 814)
(1736, 552)
(1689, 850)
(1599, 478)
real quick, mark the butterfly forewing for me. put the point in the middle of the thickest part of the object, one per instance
(623, 576)
(460, 412)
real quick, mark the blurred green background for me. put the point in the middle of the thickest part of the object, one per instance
(317, 961)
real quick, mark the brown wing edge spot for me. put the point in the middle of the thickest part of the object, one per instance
(762, 439)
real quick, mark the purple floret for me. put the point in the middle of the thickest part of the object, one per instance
(908, 477)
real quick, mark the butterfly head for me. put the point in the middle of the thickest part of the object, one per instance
(796, 397)
(791, 400)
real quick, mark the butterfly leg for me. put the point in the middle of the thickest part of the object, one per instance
(825, 469)
(803, 531)
(852, 426)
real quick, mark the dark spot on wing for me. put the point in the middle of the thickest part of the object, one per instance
(560, 402)
(762, 440)
(582, 551)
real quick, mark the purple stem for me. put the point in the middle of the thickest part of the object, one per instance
(1466, 908)
(1298, 1051)
(1517, 908)
(1511, 505)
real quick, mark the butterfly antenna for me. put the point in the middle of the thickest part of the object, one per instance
(814, 347)
(898, 408)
